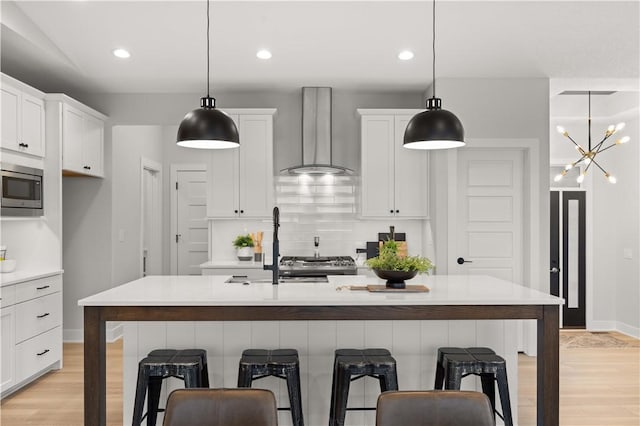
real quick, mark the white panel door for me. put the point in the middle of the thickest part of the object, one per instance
(33, 124)
(256, 166)
(410, 175)
(223, 190)
(191, 222)
(10, 117)
(8, 339)
(488, 219)
(377, 166)
(72, 138)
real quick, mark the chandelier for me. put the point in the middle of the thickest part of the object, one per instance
(588, 155)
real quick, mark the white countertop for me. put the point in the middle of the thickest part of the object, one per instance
(232, 264)
(26, 275)
(211, 290)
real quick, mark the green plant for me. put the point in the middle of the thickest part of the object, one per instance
(388, 260)
(243, 241)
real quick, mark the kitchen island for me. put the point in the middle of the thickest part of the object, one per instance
(315, 319)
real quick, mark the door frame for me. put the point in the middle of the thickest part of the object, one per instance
(532, 263)
(175, 168)
(148, 164)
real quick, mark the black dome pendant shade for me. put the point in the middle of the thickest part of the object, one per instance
(208, 127)
(435, 128)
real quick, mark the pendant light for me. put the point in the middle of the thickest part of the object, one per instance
(208, 127)
(434, 128)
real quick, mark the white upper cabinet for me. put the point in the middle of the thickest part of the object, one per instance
(82, 136)
(241, 179)
(394, 179)
(22, 118)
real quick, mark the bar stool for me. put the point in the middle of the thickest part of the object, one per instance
(456, 363)
(376, 363)
(189, 365)
(281, 363)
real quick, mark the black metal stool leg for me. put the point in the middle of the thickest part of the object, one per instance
(192, 377)
(505, 400)
(453, 377)
(295, 396)
(245, 376)
(439, 382)
(141, 391)
(489, 388)
(153, 399)
(342, 397)
(332, 401)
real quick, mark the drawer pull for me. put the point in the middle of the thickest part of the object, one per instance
(46, 314)
(43, 287)
(43, 352)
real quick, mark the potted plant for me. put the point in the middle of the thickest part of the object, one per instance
(244, 247)
(389, 266)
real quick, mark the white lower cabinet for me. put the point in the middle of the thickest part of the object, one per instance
(31, 331)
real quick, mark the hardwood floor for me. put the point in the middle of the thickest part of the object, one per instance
(598, 386)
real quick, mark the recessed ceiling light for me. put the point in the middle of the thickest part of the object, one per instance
(121, 53)
(405, 55)
(263, 54)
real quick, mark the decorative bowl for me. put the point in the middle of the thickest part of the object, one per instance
(395, 279)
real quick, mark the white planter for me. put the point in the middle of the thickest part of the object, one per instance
(244, 253)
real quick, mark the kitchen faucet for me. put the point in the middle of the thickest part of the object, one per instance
(276, 248)
(316, 244)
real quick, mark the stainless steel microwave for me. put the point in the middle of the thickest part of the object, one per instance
(21, 190)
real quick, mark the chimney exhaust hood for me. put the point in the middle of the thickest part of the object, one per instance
(316, 135)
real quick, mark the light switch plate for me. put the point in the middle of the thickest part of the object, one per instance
(627, 254)
(121, 235)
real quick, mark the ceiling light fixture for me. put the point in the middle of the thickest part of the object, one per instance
(121, 53)
(208, 127)
(263, 54)
(588, 156)
(434, 128)
(405, 55)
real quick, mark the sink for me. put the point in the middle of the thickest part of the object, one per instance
(243, 279)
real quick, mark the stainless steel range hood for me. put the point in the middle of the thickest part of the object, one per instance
(316, 135)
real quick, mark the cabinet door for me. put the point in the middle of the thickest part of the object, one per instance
(10, 117)
(256, 166)
(93, 146)
(72, 133)
(222, 176)
(8, 337)
(377, 166)
(32, 127)
(411, 174)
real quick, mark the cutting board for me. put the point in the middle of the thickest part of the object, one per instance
(381, 288)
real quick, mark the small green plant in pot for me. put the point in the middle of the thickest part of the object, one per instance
(389, 266)
(244, 247)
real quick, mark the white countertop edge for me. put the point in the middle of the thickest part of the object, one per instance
(211, 290)
(22, 276)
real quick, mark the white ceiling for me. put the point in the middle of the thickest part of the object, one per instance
(352, 45)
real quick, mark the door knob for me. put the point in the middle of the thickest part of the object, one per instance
(461, 260)
(554, 270)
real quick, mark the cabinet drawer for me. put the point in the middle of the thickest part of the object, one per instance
(7, 295)
(38, 315)
(38, 353)
(41, 287)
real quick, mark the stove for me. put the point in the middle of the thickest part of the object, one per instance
(301, 266)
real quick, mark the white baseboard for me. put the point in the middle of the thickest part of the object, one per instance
(628, 329)
(601, 326)
(76, 335)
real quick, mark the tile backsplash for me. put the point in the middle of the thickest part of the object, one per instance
(324, 207)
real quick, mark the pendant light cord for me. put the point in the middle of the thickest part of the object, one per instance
(208, 60)
(589, 120)
(434, 48)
